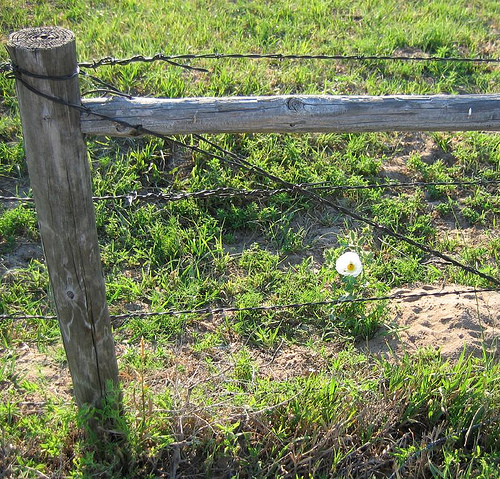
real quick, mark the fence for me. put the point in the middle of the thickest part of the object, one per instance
(55, 118)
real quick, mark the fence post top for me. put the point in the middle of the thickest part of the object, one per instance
(40, 38)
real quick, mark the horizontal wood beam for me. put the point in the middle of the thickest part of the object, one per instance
(293, 114)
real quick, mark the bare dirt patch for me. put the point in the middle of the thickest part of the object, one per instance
(19, 258)
(446, 323)
(33, 366)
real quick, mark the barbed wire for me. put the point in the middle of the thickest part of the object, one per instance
(110, 61)
(275, 307)
(241, 163)
(228, 192)
(172, 59)
(378, 228)
(307, 190)
(7, 67)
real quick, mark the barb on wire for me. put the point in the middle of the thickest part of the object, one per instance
(5, 67)
(223, 192)
(110, 61)
(133, 196)
(274, 307)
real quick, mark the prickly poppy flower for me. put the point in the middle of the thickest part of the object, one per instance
(349, 264)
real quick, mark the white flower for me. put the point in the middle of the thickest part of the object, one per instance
(349, 264)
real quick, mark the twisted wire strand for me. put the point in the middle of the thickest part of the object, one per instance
(111, 61)
(227, 192)
(174, 60)
(275, 307)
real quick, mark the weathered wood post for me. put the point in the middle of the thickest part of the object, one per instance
(44, 61)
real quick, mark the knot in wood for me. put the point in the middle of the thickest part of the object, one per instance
(295, 104)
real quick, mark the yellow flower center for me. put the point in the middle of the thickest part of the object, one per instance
(351, 267)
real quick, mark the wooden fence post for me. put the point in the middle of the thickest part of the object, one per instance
(44, 60)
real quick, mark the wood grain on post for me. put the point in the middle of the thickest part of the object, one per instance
(293, 114)
(45, 59)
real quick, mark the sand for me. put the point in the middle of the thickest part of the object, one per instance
(446, 323)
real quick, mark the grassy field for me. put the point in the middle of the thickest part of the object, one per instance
(278, 393)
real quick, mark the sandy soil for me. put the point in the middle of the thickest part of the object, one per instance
(445, 323)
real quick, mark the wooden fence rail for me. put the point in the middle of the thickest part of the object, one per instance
(294, 114)
(44, 60)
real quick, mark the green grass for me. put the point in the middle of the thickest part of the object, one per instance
(277, 393)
